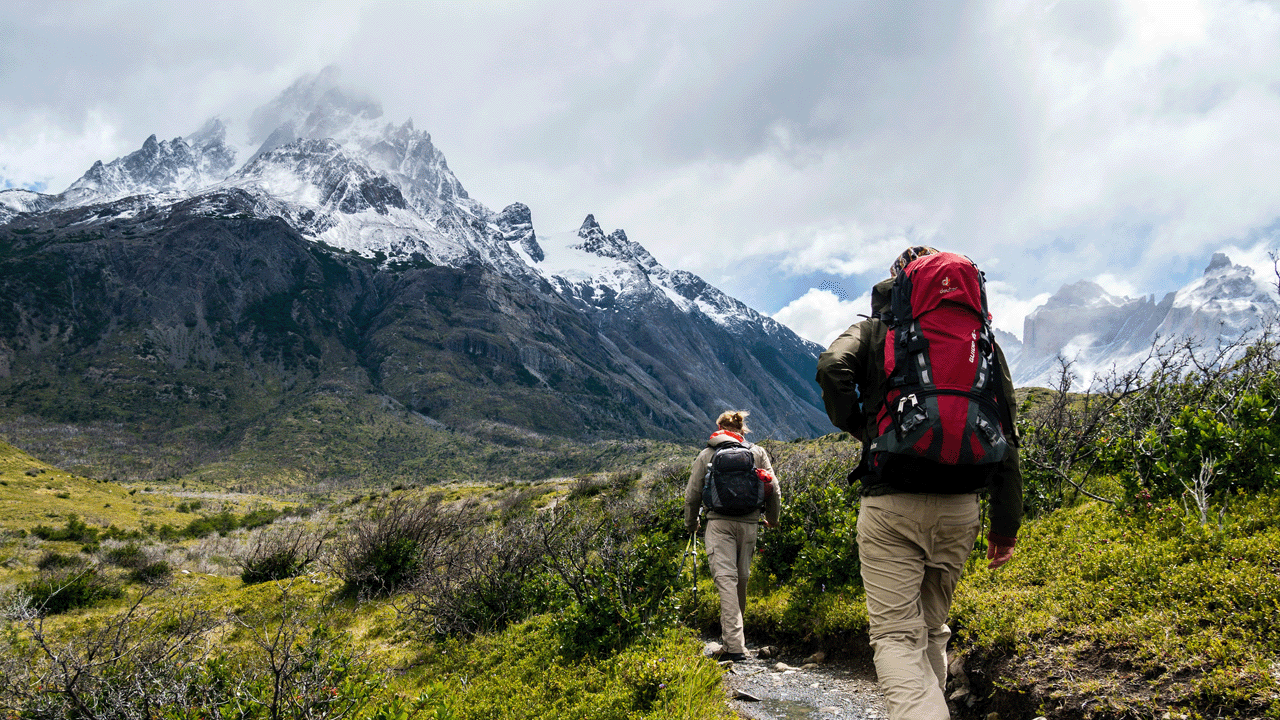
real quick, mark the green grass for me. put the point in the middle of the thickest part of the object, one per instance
(34, 493)
(520, 673)
(1151, 606)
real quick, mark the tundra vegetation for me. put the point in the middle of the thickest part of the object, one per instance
(1145, 580)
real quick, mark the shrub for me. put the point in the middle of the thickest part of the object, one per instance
(52, 560)
(222, 523)
(1158, 426)
(258, 517)
(76, 530)
(485, 581)
(280, 555)
(618, 570)
(58, 591)
(129, 555)
(816, 542)
(389, 549)
(152, 573)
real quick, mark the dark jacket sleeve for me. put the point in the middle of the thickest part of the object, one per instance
(839, 369)
(1006, 486)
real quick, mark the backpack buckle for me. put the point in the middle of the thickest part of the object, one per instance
(910, 405)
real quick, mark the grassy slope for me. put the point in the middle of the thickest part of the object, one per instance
(664, 677)
(1147, 611)
(33, 493)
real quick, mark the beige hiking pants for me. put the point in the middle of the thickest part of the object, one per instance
(912, 549)
(730, 545)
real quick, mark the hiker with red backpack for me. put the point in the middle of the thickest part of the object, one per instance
(733, 480)
(926, 389)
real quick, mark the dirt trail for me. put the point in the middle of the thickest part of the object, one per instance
(811, 692)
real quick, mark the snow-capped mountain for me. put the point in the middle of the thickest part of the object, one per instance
(325, 162)
(1099, 331)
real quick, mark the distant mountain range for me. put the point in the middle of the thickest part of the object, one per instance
(1099, 331)
(213, 285)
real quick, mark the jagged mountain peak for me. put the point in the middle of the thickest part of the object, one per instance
(323, 174)
(158, 166)
(615, 245)
(1218, 262)
(590, 227)
(1098, 331)
(515, 225)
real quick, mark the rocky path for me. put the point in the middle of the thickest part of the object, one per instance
(765, 688)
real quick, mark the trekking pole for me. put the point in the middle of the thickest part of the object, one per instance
(689, 547)
(695, 568)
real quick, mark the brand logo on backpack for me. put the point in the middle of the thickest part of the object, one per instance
(941, 405)
(732, 486)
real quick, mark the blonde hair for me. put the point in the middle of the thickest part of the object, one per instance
(734, 420)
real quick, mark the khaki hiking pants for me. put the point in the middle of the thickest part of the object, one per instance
(913, 549)
(730, 545)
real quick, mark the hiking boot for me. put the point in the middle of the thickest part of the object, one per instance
(736, 657)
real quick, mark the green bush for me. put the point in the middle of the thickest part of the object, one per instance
(58, 591)
(52, 560)
(815, 544)
(388, 550)
(258, 517)
(278, 556)
(75, 530)
(620, 594)
(129, 555)
(486, 580)
(152, 573)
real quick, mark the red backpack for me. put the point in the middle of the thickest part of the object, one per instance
(943, 399)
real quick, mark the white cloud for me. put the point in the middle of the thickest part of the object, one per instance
(1118, 286)
(1008, 311)
(38, 151)
(820, 315)
(1116, 139)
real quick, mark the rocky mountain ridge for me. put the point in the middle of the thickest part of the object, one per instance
(1098, 331)
(343, 253)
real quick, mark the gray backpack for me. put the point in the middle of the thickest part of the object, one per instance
(731, 486)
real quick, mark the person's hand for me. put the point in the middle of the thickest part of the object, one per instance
(999, 550)
(769, 524)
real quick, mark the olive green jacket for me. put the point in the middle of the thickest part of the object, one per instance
(851, 374)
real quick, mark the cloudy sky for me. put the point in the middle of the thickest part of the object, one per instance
(784, 151)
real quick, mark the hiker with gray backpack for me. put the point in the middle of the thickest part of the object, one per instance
(924, 386)
(733, 481)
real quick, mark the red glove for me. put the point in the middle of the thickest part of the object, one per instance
(999, 549)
